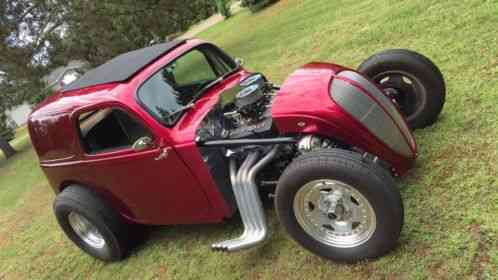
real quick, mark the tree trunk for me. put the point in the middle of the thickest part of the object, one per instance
(6, 148)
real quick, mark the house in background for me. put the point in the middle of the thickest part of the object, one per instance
(54, 78)
(18, 116)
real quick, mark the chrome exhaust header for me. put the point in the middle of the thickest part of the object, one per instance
(248, 201)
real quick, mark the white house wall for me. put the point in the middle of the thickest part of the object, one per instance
(19, 114)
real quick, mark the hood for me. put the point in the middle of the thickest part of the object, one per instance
(308, 84)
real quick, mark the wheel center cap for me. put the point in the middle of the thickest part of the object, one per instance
(333, 206)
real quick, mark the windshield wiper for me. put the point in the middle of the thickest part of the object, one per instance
(182, 109)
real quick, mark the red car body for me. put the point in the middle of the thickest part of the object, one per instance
(181, 190)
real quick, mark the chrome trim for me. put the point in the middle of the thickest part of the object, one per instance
(248, 202)
(364, 109)
(142, 143)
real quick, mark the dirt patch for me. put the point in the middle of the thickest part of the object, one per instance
(203, 25)
(438, 271)
(481, 259)
(34, 204)
(445, 159)
(423, 251)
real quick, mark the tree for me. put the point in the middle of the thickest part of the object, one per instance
(223, 7)
(6, 134)
(39, 35)
(27, 32)
(96, 31)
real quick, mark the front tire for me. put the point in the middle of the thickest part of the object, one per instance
(338, 206)
(411, 79)
(92, 224)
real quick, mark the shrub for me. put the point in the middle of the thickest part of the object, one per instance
(6, 131)
(223, 7)
(256, 5)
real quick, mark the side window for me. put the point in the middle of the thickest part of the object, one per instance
(191, 68)
(108, 130)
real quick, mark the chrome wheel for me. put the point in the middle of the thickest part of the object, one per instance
(334, 213)
(86, 230)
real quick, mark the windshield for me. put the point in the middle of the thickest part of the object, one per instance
(166, 92)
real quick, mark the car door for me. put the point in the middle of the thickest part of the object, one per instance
(139, 168)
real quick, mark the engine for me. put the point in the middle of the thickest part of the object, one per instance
(254, 98)
(244, 111)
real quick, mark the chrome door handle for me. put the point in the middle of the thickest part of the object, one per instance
(163, 154)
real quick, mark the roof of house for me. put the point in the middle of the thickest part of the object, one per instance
(122, 67)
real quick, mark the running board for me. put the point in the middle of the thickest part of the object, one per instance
(248, 202)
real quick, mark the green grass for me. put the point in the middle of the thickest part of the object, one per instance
(451, 197)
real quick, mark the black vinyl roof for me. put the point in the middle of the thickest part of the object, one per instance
(122, 67)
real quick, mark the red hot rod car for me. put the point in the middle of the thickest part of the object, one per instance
(180, 133)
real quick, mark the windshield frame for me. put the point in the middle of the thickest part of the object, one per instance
(201, 48)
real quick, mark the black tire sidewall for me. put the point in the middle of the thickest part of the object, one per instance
(106, 223)
(422, 69)
(384, 200)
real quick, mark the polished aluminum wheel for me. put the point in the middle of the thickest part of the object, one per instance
(334, 213)
(86, 230)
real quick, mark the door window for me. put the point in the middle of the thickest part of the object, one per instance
(109, 129)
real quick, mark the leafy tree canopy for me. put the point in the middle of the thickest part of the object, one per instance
(40, 35)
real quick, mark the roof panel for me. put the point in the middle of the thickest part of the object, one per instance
(122, 67)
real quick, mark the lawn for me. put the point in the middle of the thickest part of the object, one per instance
(450, 198)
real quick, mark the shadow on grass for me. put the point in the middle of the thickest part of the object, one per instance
(144, 236)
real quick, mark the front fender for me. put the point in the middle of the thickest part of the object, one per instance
(304, 105)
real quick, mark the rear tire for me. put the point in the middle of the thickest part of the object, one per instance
(92, 224)
(307, 185)
(413, 80)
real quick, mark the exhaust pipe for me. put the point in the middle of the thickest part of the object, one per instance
(248, 202)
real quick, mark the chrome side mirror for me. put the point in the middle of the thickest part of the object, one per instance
(239, 61)
(143, 143)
